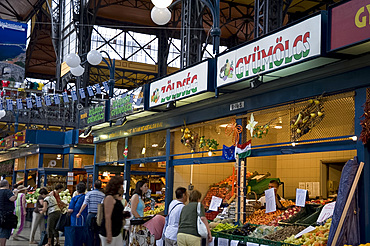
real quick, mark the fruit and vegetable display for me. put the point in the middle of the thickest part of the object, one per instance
(159, 207)
(263, 231)
(259, 217)
(222, 189)
(32, 197)
(320, 201)
(286, 215)
(245, 230)
(317, 237)
(222, 227)
(284, 233)
(287, 203)
(65, 196)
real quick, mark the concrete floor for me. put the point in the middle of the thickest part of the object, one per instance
(25, 237)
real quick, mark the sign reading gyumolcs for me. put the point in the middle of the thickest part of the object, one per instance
(126, 104)
(185, 83)
(13, 36)
(93, 115)
(284, 48)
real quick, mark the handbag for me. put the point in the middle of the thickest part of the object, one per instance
(64, 220)
(76, 235)
(201, 227)
(8, 220)
(100, 214)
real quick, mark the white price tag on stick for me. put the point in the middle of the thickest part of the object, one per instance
(270, 200)
(234, 243)
(300, 197)
(223, 242)
(326, 212)
(307, 230)
(215, 203)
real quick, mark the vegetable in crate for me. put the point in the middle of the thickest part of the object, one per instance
(244, 231)
(264, 230)
(286, 215)
(223, 227)
(284, 233)
(259, 217)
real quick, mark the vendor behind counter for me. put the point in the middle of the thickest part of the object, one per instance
(274, 184)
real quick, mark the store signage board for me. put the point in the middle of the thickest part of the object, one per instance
(307, 230)
(300, 197)
(93, 115)
(353, 17)
(326, 212)
(270, 200)
(215, 203)
(223, 242)
(185, 83)
(281, 49)
(236, 106)
(127, 104)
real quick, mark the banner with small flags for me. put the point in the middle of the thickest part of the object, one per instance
(1, 104)
(38, 102)
(65, 97)
(19, 103)
(29, 102)
(47, 100)
(56, 99)
(106, 87)
(90, 91)
(97, 87)
(9, 104)
(82, 93)
(74, 95)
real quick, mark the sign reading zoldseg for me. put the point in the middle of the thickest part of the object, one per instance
(289, 46)
(92, 116)
(182, 84)
(126, 104)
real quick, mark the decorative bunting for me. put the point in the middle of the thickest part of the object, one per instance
(38, 102)
(97, 87)
(65, 97)
(74, 95)
(131, 98)
(29, 102)
(1, 104)
(19, 103)
(106, 87)
(90, 91)
(228, 153)
(138, 101)
(47, 100)
(56, 99)
(9, 104)
(82, 93)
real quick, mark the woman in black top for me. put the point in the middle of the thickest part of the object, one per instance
(7, 199)
(38, 219)
(110, 232)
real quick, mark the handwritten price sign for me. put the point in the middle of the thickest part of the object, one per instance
(326, 212)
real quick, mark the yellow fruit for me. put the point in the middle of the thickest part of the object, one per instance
(182, 130)
(319, 113)
(317, 101)
(298, 130)
(313, 115)
(310, 101)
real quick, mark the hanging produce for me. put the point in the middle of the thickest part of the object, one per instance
(234, 130)
(261, 131)
(365, 123)
(209, 144)
(189, 138)
(311, 115)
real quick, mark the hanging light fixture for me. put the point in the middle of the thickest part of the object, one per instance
(160, 16)
(73, 60)
(94, 57)
(77, 71)
(162, 3)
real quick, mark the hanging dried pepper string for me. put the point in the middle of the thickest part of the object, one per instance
(233, 129)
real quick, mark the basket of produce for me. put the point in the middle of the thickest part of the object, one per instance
(211, 215)
(263, 231)
(286, 215)
(259, 217)
(251, 206)
(303, 213)
(284, 233)
(240, 233)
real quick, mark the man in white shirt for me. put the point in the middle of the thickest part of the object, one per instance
(173, 217)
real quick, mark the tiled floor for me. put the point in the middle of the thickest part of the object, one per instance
(25, 237)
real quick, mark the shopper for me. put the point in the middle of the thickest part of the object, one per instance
(174, 211)
(139, 234)
(92, 199)
(20, 211)
(188, 234)
(76, 204)
(112, 224)
(38, 219)
(7, 198)
(52, 208)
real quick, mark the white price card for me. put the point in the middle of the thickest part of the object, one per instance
(326, 212)
(223, 242)
(215, 203)
(252, 244)
(234, 243)
(270, 200)
(300, 197)
(212, 243)
(307, 230)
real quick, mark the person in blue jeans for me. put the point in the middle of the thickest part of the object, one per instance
(76, 204)
(92, 199)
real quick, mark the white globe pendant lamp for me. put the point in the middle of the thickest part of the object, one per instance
(77, 71)
(160, 16)
(162, 3)
(73, 60)
(2, 113)
(94, 57)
